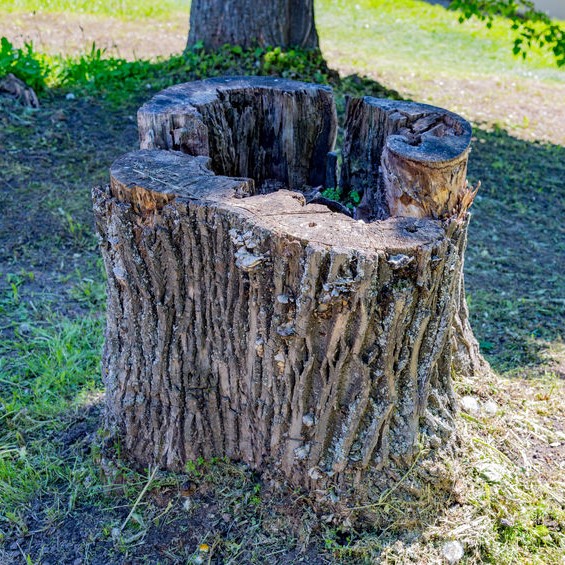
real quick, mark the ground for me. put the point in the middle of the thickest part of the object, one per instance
(64, 500)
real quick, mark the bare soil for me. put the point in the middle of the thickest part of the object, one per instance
(76, 33)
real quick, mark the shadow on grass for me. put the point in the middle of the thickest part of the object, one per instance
(516, 252)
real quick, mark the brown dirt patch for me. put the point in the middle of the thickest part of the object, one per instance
(75, 33)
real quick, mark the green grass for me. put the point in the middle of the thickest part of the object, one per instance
(412, 29)
(115, 79)
(49, 366)
(391, 35)
(126, 9)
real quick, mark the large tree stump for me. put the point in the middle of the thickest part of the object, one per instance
(243, 321)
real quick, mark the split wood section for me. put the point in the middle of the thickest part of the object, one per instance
(243, 321)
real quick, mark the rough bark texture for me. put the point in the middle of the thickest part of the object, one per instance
(244, 322)
(251, 23)
(408, 159)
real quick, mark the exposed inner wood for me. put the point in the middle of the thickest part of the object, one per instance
(405, 159)
(275, 131)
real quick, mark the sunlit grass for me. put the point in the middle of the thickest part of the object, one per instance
(127, 9)
(412, 36)
(48, 365)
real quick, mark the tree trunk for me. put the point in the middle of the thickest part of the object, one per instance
(244, 322)
(252, 23)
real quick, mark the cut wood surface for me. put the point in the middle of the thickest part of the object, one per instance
(245, 322)
(404, 159)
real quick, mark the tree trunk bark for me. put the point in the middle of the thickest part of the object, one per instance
(252, 23)
(244, 322)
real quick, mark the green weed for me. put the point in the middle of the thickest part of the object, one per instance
(26, 64)
(80, 234)
(89, 292)
(116, 79)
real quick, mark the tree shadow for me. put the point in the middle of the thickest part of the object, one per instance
(444, 3)
(516, 253)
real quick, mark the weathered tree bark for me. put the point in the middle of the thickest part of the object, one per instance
(244, 322)
(251, 23)
(408, 159)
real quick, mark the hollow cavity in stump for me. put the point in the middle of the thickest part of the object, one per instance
(244, 322)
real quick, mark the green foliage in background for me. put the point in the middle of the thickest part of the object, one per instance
(532, 27)
(113, 78)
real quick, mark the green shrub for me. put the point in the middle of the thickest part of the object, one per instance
(24, 63)
(115, 79)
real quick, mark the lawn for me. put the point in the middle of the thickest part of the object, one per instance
(65, 494)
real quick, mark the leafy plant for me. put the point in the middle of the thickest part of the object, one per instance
(24, 63)
(532, 26)
(114, 78)
(350, 199)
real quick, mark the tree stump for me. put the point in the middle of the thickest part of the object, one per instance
(243, 321)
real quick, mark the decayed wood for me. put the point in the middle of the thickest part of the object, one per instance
(252, 23)
(275, 131)
(252, 321)
(405, 159)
